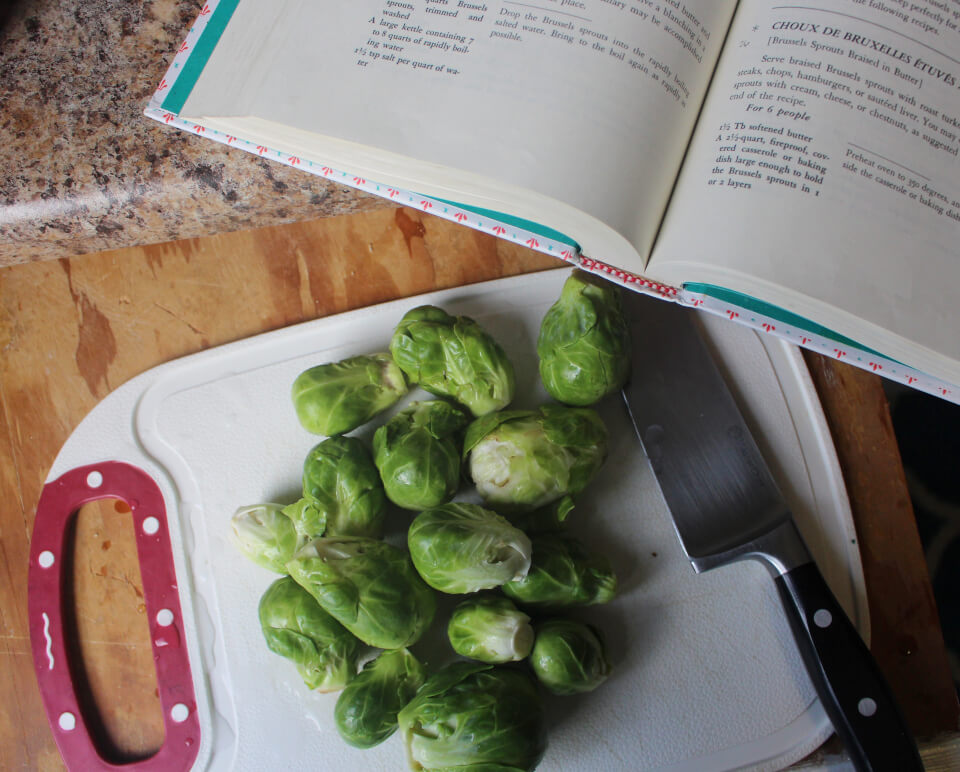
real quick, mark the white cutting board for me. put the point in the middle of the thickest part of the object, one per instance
(705, 672)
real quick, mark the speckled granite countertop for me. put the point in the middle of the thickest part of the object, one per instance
(83, 170)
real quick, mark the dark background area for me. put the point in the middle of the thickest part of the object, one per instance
(928, 434)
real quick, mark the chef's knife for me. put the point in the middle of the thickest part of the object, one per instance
(727, 507)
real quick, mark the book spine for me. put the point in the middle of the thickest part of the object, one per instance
(630, 280)
(823, 344)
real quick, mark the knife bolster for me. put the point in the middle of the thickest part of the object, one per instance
(781, 549)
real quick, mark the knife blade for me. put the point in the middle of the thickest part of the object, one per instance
(726, 506)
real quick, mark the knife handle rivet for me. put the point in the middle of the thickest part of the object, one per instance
(822, 618)
(867, 707)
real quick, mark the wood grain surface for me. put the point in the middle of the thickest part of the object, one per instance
(901, 598)
(73, 330)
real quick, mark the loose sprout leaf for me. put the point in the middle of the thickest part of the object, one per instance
(308, 521)
(265, 535)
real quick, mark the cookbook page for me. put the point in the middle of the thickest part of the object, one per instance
(824, 174)
(587, 102)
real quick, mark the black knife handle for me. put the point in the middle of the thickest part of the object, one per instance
(845, 675)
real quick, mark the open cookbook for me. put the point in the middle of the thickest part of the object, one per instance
(792, 167)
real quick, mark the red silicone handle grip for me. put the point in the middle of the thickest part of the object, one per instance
(59, 502)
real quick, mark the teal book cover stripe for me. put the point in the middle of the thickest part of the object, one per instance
(187, 77)
(775, 312)
(516, 222)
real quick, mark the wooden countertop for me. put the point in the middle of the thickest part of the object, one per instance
(74, 329)
(84, 170)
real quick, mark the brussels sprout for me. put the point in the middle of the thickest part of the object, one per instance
(490, 629)
(521, 459)
(366, 711)
(369, 586)
(338, 397)
(342, 492)
(584, 341)
(569, 657)
(470, 713)
(461, 548)
(418, 454)
(453, 357)
(266, 535)
(549, 518)
(563, 573)
(295, 627)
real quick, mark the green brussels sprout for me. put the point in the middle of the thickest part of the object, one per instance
(266, 535)
(369, 586)
(461, 548)
(549, 518)
(295, 627)
(584, 341)
(491, 629)
(342, 492)
(453, 357)
(471, 714)
(521, 460)
(418, 454)
(563, 573)
(338, 397)
(366, 711)
(569, 657)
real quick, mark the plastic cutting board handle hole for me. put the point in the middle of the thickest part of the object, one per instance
(105, 618)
